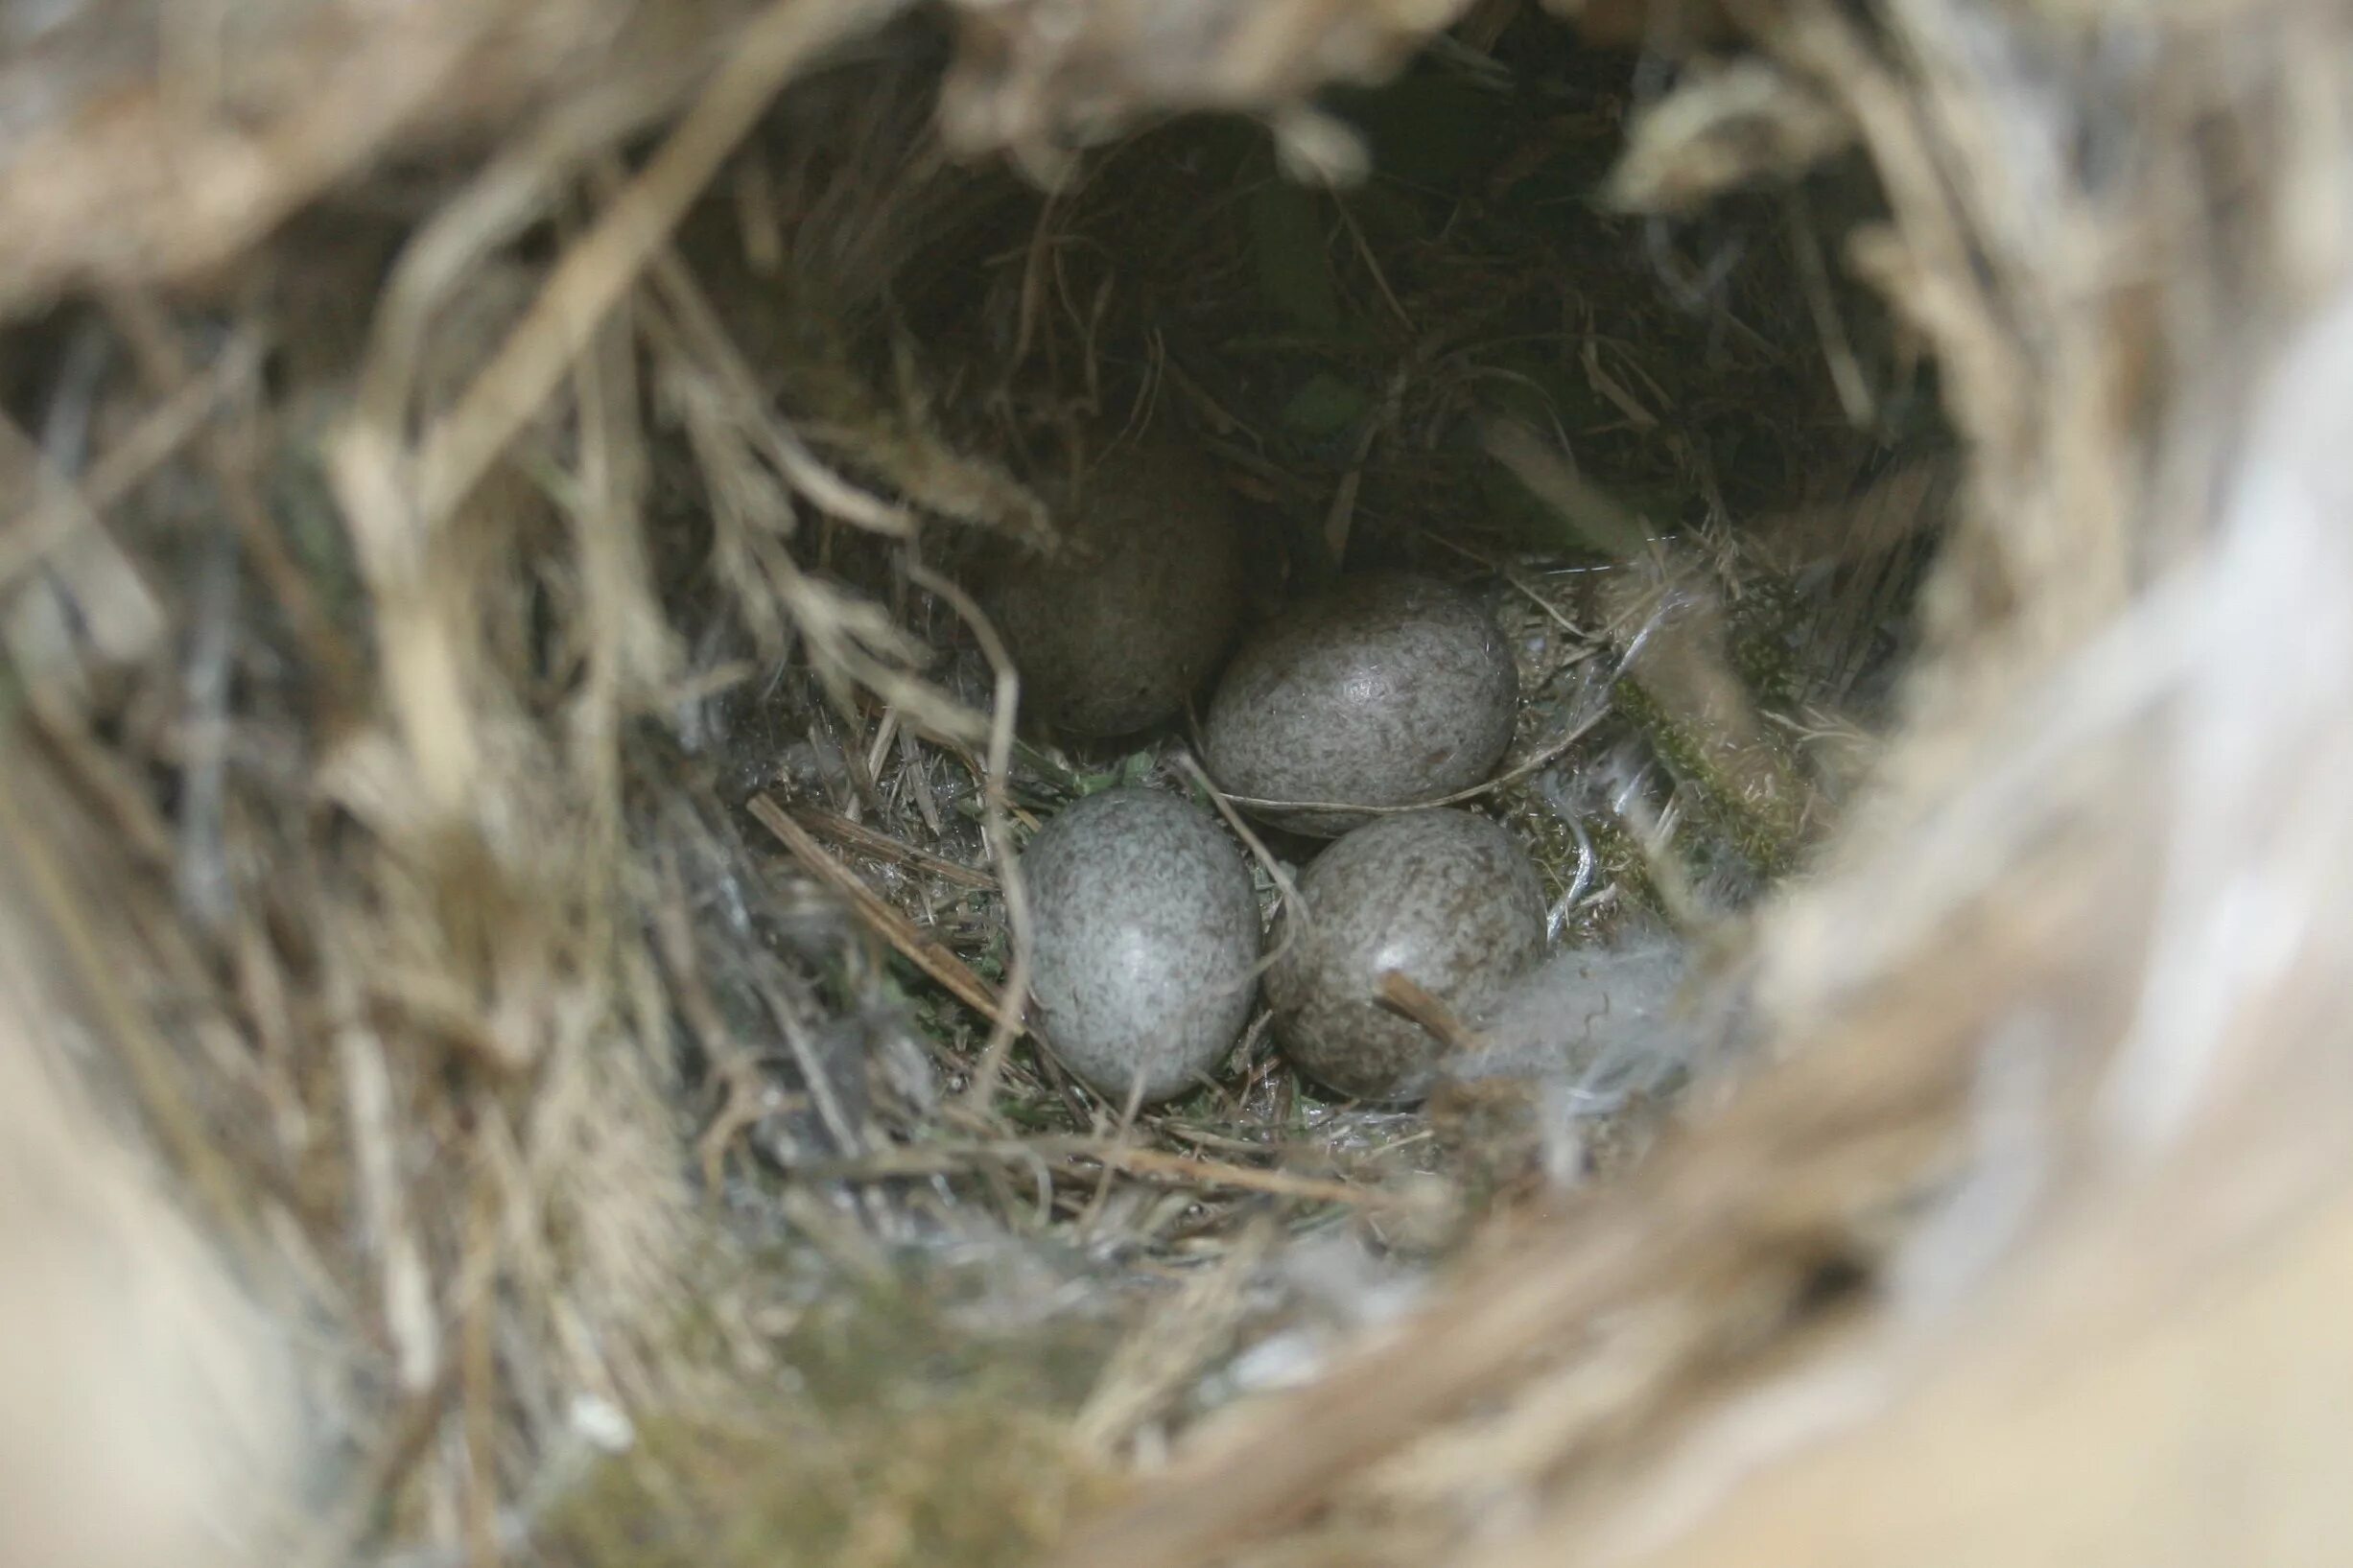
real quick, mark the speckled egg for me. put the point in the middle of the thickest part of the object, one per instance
(1147, 936)
(1118, 629)
(1443, 897)
(1388, 691)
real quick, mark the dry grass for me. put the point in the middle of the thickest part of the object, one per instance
(511, 818)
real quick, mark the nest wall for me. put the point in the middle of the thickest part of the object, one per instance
(371, 378)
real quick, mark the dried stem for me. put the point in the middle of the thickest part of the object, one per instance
(997, 830)
(880, 915)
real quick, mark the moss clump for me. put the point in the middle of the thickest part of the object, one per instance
(962, 1480)
(887, 1433)
(1618, 861)
(1746, 787)
(1767, 627)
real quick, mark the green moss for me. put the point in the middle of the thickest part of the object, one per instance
(1618, 858)
(1767, 634)
(1764, 834)
(957, 1482)
(891, 1433)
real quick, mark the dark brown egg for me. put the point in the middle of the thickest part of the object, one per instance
(1388, 691)
(1129, 618)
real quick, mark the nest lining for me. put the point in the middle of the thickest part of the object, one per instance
(511, 778)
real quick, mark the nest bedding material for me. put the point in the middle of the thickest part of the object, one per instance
(363, 896)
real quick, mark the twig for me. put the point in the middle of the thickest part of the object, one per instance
(915, 772)
(731, 1065)
(1601, 520)
(150, 442)
(402, 1441)
(1401, 995)
(1293, 905)
(698, 322)
(200, 875)
(404, 1286)
(1847, 378)
(885, 736)
(856, 835)
(1519, 583)
(595, 273)
(939, 1160)
(478, 1380)
(1008, 1027)
(1372, 265)
(144, 324)
(878, 913)
(1208, 1139)
(1121, 1133)
(1503, 781)
(147, 1056)
(1184, 1334)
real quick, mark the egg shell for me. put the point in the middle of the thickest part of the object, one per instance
(1145, 940)
(1388, 691)
(1132, 614)
(1446, 898)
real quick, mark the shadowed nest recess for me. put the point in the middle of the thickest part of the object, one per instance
(512, 900)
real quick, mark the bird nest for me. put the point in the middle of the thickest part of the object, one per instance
(515, 960)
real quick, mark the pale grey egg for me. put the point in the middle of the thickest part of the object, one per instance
(1388, 691)
(1446, 898)
(1132, 615)
(1146, 941)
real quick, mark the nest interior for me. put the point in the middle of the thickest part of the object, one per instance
(511, 805)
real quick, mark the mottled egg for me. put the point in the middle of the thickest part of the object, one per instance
(1145, 938)
(1444, 898)
(1388, 691)
(1115, 631)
